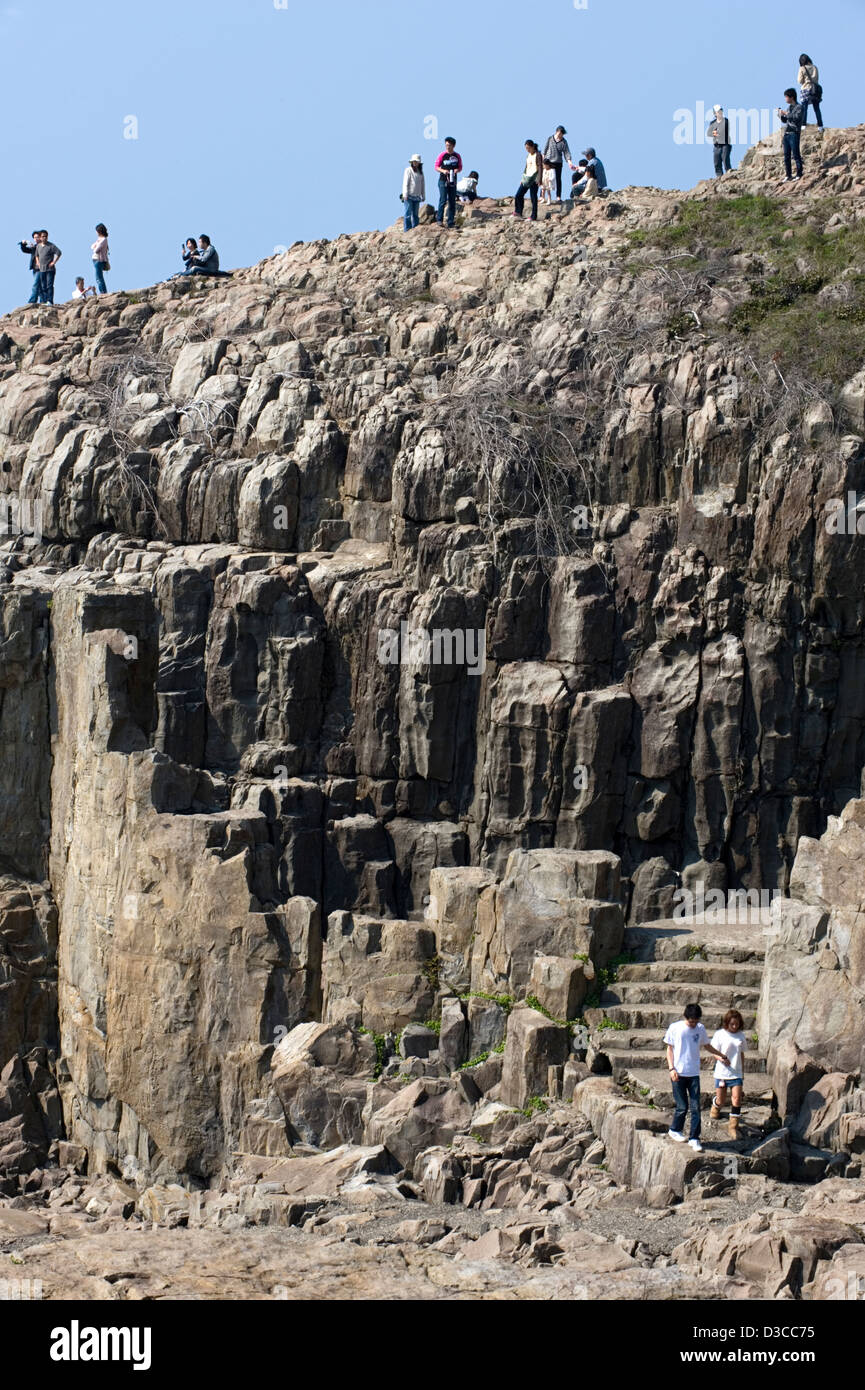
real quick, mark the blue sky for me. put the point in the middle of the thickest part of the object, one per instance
(262, 122)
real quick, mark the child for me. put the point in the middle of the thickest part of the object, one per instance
(80, 292)
(590, 189)
(730, 1038)
(684, 1038)
(580, 175)
(549, 181)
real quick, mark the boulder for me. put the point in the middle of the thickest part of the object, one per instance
(424, 1114)
(533, 1045)
(560, 984)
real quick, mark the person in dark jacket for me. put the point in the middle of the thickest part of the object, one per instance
(792, 119)
(29, 249)
(556, 151)
(206, 260)
(719, 133)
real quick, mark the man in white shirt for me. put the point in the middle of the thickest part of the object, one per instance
(684, 1038)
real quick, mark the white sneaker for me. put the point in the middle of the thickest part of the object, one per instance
(695, 1145)
(674, 1134)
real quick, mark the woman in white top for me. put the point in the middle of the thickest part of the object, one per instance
(812, 92)
(730, 1039)
(530, 181)
(100, 257)
(413, 192)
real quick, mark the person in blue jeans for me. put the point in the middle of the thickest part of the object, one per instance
(449, 165)
(413, 192)
(792, 118)
(47, 255)
(812, 92)
(684, 1038)
(99, 250)
(29, 249)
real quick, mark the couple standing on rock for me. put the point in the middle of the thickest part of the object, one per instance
(684, 1040)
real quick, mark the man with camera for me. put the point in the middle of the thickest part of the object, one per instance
(449, 165)
(29, 249)
(792, 118)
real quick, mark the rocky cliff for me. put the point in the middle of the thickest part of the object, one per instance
(386, 628)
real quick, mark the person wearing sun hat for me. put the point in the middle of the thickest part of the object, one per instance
(413, 191)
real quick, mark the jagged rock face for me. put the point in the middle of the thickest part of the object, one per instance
(218, 775)
(812, 1005)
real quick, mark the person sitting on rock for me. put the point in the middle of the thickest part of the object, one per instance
(730, 1038)
(206, 260)
(578, 182)
(589, 164)
(467, 188)
(590, 187)
(684, 1038)
(81, 290)
(189, 252)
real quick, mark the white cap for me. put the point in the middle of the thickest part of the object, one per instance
(718, 108)
(415, 159)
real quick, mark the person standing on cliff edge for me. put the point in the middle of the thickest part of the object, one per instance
(556, 151)
(812, 92)
(449, 165)
(719, 131)
(792, 118)
(413, 192)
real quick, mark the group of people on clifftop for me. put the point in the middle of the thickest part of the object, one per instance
(541, 178)
(794, 117)
(199, 257)
(44, 256)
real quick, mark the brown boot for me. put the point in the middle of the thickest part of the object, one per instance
(715, 1113)
(734, 1126)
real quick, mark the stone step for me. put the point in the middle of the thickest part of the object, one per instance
(653, 1085)
(712, 998)
(692, 972)
(649, 1050)
(658, 1017)
(651, 1059)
